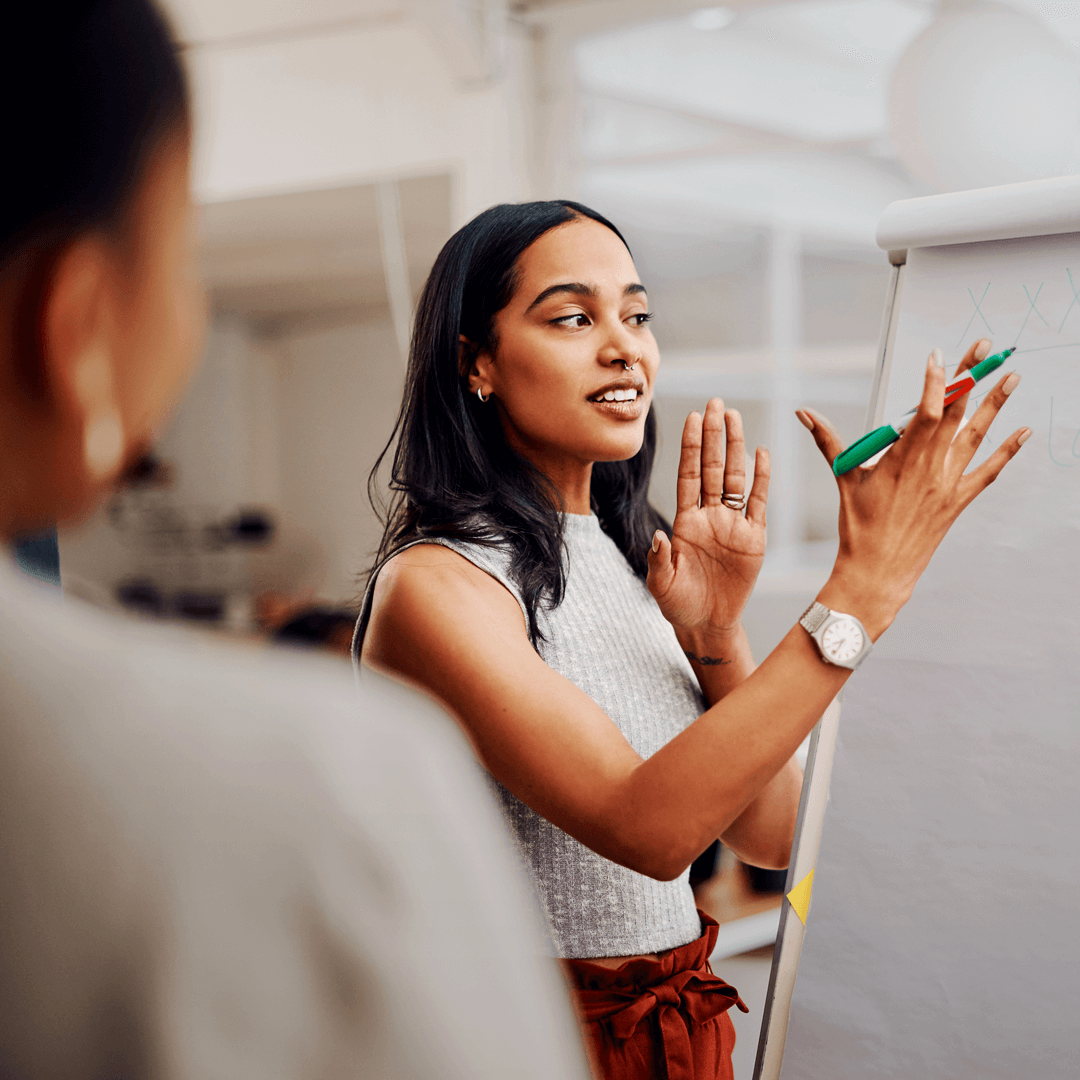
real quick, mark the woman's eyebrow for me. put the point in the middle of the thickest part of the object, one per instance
(578, 288)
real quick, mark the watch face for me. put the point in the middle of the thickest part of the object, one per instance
(842, 641)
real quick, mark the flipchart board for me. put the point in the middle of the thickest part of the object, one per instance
(941, 938)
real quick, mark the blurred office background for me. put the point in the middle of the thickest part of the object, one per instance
(747, 150)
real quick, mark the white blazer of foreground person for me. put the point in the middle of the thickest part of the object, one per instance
(214, 863)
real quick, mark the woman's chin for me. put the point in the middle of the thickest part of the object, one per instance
(583, 443)
(621, 451)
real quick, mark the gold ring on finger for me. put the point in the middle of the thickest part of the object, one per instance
(733, 502)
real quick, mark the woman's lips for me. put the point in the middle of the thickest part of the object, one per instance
(621, 410)
(623, 398)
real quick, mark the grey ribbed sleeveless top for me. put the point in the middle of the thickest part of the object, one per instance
(608, 638)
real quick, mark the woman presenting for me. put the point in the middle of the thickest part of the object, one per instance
(594, 656)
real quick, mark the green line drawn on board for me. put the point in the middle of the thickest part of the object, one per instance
(1023, 352)
(1043, 348)
(1073, 302)
(1050, 443)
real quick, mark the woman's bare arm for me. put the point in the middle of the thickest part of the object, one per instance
(445, 625)
(763, 833)
(449, 627)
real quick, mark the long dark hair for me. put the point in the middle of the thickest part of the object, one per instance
(454, 474)
(94, 86)
(99, 88)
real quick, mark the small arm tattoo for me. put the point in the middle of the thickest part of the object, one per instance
(707, 661)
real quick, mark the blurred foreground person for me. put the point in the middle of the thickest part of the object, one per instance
(212, 863)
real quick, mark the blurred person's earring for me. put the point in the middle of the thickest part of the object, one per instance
(103, 434)
(480, 395)
(103, 444)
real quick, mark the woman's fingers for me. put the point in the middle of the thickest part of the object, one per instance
(931, 408)
(824, 433)
(982, 477)
(661, 568)
(712, 453)
(972, 434)
(954, 413)
(977, 352)
(688, 488)
(735, 458)
(759, 490)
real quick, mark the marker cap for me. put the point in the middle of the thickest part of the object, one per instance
(991, 363)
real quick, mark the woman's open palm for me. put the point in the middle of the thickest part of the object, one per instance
(703, 576)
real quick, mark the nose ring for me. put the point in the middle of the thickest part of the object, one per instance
(630, 367)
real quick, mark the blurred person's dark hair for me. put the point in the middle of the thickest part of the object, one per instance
(96, 91)
(453, 472)
(92, 86)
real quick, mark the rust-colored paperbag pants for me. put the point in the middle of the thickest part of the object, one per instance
(660, 1019)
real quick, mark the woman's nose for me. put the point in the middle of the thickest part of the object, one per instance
(619, 348)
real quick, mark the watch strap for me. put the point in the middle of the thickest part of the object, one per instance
(814, 616)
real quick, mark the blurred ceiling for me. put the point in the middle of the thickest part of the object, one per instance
(814, 70)
(762, 114)
(692, 120)
(315, 256)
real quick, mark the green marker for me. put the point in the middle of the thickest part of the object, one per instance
(864, 449)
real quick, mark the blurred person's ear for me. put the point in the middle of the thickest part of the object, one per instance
(78, 358)
(53, 361)
(97, 342)
(66, 432)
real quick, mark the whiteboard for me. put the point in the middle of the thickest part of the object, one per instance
(942, 939)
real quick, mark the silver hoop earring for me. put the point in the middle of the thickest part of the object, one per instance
(480, 395)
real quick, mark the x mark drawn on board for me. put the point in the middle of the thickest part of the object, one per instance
(978, 311)
(1031, 308)
(1075, 300)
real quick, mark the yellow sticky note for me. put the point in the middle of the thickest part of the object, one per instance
(799, 897)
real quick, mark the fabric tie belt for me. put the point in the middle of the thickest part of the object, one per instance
(681, 1002)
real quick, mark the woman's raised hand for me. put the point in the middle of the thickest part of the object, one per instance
(894, 514)
(703, 576)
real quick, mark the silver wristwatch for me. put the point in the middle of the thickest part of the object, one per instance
(841, 639)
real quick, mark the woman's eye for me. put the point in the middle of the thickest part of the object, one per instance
(642, 317)
(574, 321)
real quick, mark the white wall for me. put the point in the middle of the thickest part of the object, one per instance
(377, 101)
(340, 389)
(222, 445)
(293, 424)
(209, 431)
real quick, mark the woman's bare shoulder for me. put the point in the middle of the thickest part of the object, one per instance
(430, 556)
(429, 591)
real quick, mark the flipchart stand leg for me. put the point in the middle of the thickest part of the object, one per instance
(789, 939)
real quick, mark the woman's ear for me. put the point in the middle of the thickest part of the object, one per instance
(72, 320)
(78, 357)
(475, 364)
(61, 434)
